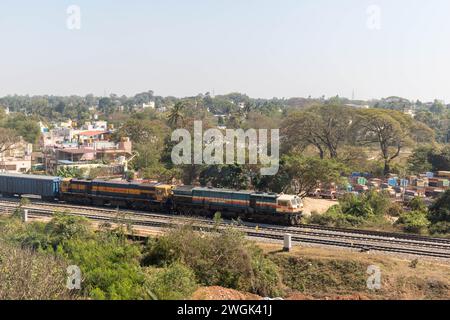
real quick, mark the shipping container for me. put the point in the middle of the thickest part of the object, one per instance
(47, 187)
(359, 180)
(393, 182)
(444, 174)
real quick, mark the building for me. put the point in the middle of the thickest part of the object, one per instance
(410, 112)
(85, 147)
(150, 105)
(90, 154)
(67, 133)
(18, 159)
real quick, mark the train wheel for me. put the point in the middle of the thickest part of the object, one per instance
(292, 220)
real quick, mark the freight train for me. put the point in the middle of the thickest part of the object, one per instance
(157, 197)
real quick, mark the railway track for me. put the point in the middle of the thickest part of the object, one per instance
(337, 237)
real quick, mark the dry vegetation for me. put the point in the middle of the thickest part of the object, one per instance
(338, 274)
(28, 275)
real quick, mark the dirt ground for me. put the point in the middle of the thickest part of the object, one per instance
(220, 293)
(317, 205)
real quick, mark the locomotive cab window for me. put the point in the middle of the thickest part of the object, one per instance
(284, 203)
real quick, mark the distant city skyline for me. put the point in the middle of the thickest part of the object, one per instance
(290, 48)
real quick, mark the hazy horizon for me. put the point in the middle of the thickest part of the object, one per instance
(262, 48)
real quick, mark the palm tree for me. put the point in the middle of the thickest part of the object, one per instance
(176, 114)
(247, 108)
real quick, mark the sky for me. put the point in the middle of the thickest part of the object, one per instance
(264, 48)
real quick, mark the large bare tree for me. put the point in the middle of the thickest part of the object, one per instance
(325, 127)
(391, 130)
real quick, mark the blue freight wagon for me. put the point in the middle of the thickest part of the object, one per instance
(47, 187)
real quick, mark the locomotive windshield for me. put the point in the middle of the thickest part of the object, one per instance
(284, 203)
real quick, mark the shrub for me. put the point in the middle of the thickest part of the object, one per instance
(356, 206)
(109, 266)
(356, 210)
(395, 210)
(414, 221)
(224, 258)
(335, 217)
(380, 202)
(417, 204)
(176, 282)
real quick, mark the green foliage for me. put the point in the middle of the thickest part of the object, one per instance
(414, 221)
(223, 258)
(418, 162)
(429, 158)
(70, 172)
(109, 264)
(440, 159)
(380, 202)
(395, 210)
(176, 115)
(440, 215)
(175, 282)
(304, 174)
(356, 210)
(225, 176)
(335, 217)
(26, 127)
(417, 204)
(64, 227)
(110, 268)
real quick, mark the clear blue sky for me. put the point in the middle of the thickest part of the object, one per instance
(264, 48)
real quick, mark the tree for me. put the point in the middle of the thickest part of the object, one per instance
(64, 227)
(225, 176)
(105, 105)
(305, 174)
(25, 127)
(8, 139)
(440, 160)
(440, 214)
(418, 161)
(326, 127)
(144, 131)
(176, 115)
(391, 130)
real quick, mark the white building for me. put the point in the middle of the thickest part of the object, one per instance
(150, 105)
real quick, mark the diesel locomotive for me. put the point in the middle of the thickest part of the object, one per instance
(157, 197)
